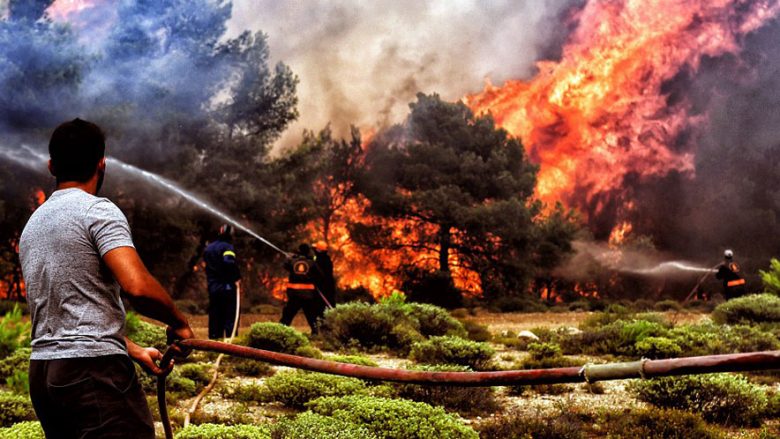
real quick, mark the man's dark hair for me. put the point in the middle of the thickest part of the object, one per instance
(304, 250)
(76, 148)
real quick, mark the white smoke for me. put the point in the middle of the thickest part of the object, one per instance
(363, 62)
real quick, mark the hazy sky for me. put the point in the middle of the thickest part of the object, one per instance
(362, 62)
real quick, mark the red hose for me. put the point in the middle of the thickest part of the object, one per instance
(590, 373)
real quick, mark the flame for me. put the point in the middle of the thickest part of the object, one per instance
(39, 197)
(619, 233)
(600, 113)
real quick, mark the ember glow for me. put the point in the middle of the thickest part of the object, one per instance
(601, 113)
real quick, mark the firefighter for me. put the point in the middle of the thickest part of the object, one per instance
(729, 273)
(222, 274)
(301, 289)
(327, 283)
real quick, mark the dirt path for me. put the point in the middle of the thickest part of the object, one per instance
(496, 322)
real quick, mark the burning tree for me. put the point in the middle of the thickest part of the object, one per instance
(462, 191)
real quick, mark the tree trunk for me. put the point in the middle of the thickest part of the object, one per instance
(445, 242)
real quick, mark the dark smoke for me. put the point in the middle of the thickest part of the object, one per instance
(733, 200)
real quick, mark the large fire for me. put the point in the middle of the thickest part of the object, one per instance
(601, 113)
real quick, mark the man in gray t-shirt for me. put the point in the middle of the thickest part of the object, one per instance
(77, 254)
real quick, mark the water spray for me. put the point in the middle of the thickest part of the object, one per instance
(31, 159)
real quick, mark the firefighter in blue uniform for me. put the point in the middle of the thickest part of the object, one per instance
(301, 289)
(729, 273)
(222, 274)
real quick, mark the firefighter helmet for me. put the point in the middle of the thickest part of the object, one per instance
(225, 230)
(728, 254)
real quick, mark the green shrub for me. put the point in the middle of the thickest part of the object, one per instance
(353, 359)
(655, 423)
(144, 333)
(617, 338)
(217, 431)
(470, 401)
(476, 331)
(722, 398)
(755, 308)
(771, 277)
(248, 392)
(19, 382)
(296, 388)
(279, 338)
(19, 360)
(200, 373)
(394, 418)
(246, 367)
(668, 305)
(15, 408)
(434, 321)
(7, 306)
(310, 425)
(517, 304)
(23, 430)
(14, 332)
(711, 339)
(562, 425)
(611, 314)
(379, 326)
(657, 347)
(545, 356)
(453, 350)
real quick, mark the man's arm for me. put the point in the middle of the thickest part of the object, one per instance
(144, 292)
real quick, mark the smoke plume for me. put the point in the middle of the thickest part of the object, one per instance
(362, 63)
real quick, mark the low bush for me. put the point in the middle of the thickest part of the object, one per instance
(296, 388)
(15, 408)
(453, 350)
(234, 414)
(310, 425)
(218, 431)
(19, 360)
(279, 338)
(434, 321)
(7, 306)
(752, 309)
(244, 366)
(19, 382)
(657, 347)
(564, 424)
(248, 392)
(655, 423)
(517, 304)
(144, 333)
(199, 373)
(616, 338)
(668, 305)
(571, 423)
(14, 331)
(611, 313)
(723, 398)
(476, 331)
(383, 326)
(353, 359)
(394, 418)
(471, 401)
(23, 430)
(545, 356)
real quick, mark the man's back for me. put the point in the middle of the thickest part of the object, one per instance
(73, 298)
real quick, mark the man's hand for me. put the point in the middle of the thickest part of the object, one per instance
(147, 358)
(180, 333)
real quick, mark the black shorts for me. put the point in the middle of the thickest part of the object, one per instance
(97, 397)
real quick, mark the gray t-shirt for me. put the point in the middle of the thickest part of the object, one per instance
(73, 298)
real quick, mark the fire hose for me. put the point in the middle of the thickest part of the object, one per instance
(588, 373)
